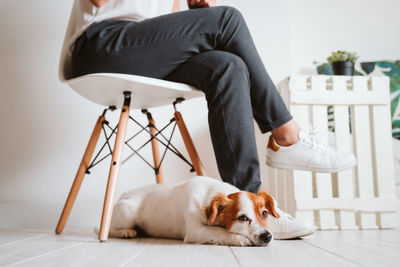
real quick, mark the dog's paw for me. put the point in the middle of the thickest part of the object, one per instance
(240, 240)
(226, 240)
(123, 233)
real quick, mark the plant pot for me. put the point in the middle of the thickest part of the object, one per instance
(343, 68)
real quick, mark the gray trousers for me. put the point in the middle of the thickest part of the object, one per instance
(211, 49)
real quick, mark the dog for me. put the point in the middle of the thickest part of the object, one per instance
(199, 210)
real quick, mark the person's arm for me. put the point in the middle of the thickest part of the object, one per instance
(98, 3)
(176, 6)
(200, 3)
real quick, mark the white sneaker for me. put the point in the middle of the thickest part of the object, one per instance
(308, 154)
(287, 227)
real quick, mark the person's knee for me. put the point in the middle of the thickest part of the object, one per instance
(229, 69)
(226, 60)
(226, 63)
(230, 11)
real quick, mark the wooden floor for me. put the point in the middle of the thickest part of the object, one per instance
(80, 248)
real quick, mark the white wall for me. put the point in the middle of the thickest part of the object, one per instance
(369, 27)
(45, 125)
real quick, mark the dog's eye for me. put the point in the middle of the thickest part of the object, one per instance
(243, 218)
(265, 214)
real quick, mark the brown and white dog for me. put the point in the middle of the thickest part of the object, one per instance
(199, 210)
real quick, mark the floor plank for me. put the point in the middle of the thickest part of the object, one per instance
(114, 252)
(31, 248)
(389, 235)
(79, 247)
(7, 238)
(355, 247)
(287, 253)
(40, 244)
(165, 252)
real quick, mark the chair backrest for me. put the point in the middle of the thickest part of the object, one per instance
(64, 67)
(107, 88)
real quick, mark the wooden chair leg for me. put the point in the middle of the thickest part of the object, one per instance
(194, 156)
(156, 151)
(87, 156)
(114, 170)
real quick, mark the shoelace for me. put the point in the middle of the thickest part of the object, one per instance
(281, 223)
(314, 141)
(283, 214)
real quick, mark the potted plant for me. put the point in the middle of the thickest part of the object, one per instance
(342, 62)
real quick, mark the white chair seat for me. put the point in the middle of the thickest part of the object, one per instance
(107, 89)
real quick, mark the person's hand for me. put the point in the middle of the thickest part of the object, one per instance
(200, 3)
(98, 3)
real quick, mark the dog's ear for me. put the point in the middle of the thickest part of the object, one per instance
(216, 206)
(269, 203)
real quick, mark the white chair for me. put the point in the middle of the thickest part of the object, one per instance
(126, 92)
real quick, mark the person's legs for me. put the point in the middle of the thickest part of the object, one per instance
(224, 79)
(155, 47)
(165, 46)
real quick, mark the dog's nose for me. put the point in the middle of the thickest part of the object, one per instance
(266, 237)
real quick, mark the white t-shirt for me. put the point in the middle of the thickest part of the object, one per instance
(84, 13)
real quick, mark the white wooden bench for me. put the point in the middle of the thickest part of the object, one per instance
(364, 196)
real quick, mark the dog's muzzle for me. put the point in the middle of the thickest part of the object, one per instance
(265, 237)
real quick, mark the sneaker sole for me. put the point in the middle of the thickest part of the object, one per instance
(290, 166)
(293, 235)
